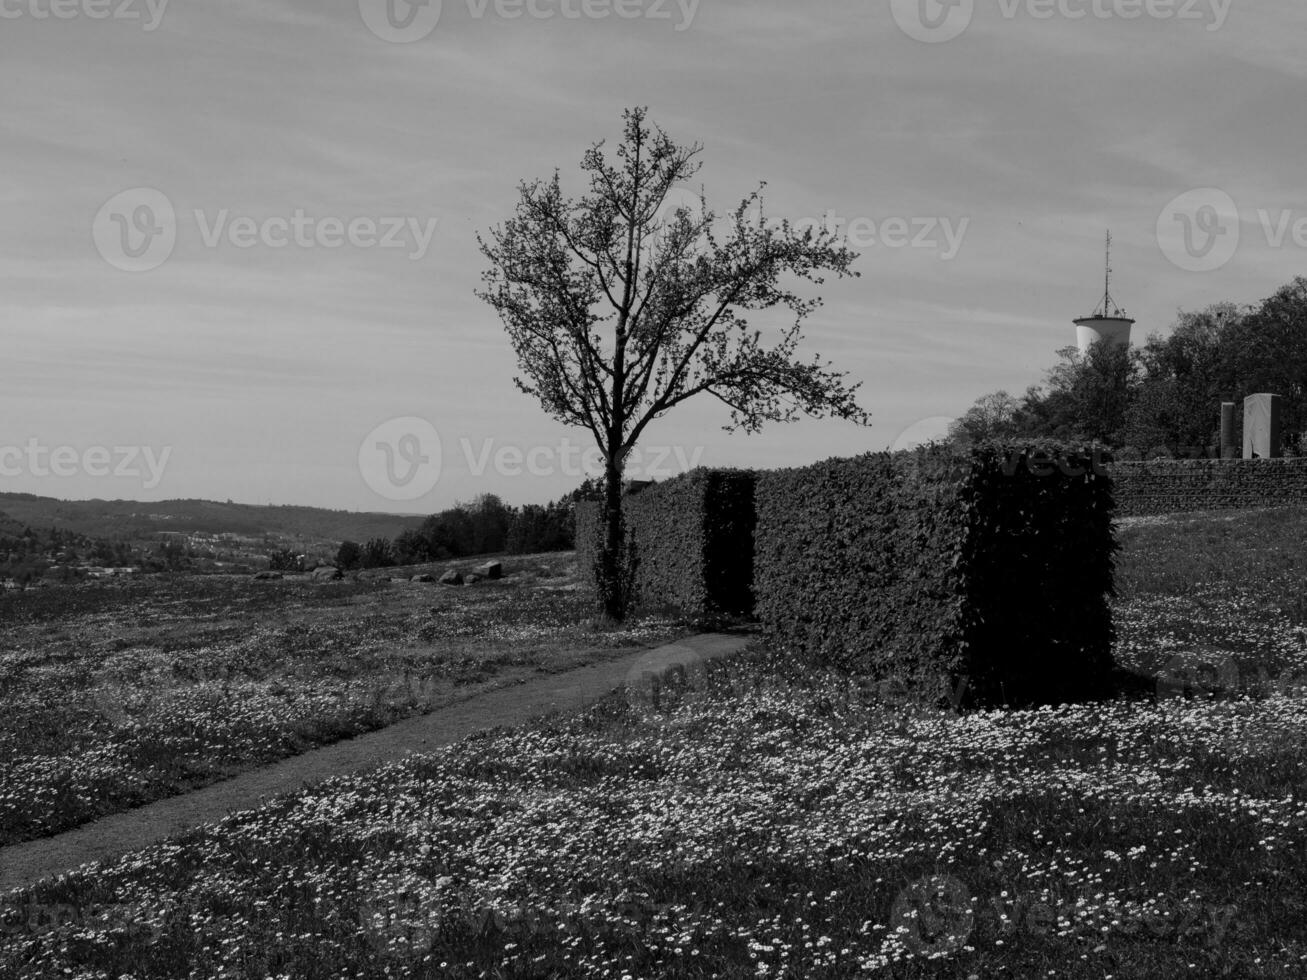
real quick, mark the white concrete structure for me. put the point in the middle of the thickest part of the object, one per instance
(1114, 329)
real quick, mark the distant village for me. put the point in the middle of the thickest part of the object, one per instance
(37, 559)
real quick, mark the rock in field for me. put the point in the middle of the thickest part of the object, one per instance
(423, 579)
(492, 570)
(473, 578)
(267, 576)
(451, 577)
(327, 573)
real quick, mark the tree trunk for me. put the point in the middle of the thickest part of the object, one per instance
(611, 573)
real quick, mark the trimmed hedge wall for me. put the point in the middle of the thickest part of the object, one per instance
(979, 579)
(690, 541)
(1163, 486)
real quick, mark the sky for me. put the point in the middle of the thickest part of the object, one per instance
(238, 239)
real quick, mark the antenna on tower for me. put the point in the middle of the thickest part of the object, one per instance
(1109, 309)
(1109, 322)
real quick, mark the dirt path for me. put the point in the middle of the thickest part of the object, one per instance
(24, 864)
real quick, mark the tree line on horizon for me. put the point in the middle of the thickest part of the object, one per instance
(1164, 397)
(483, 526)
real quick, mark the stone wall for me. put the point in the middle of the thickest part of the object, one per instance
(1163, 486)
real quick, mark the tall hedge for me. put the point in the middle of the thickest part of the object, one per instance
(689, 542)
(980, 577)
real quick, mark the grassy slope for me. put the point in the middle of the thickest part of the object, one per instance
(120, 693)
(756, 828)
(1222, 592)
(759, 822)
(1182, 554)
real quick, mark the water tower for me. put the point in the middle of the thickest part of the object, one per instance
(1109, 322)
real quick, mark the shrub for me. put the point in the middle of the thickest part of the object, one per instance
(377, 553)
(689, 542)
(349, 556)
(285, 560)
(980, 576)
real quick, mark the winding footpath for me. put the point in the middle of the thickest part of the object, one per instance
(22, 865)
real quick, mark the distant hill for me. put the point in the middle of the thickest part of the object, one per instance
(134, 520)
(9, 528)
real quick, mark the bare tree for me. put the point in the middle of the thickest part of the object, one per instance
(619, 312)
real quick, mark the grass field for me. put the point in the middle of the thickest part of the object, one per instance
(120, 693)
(1216, 598)
(764, 821)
